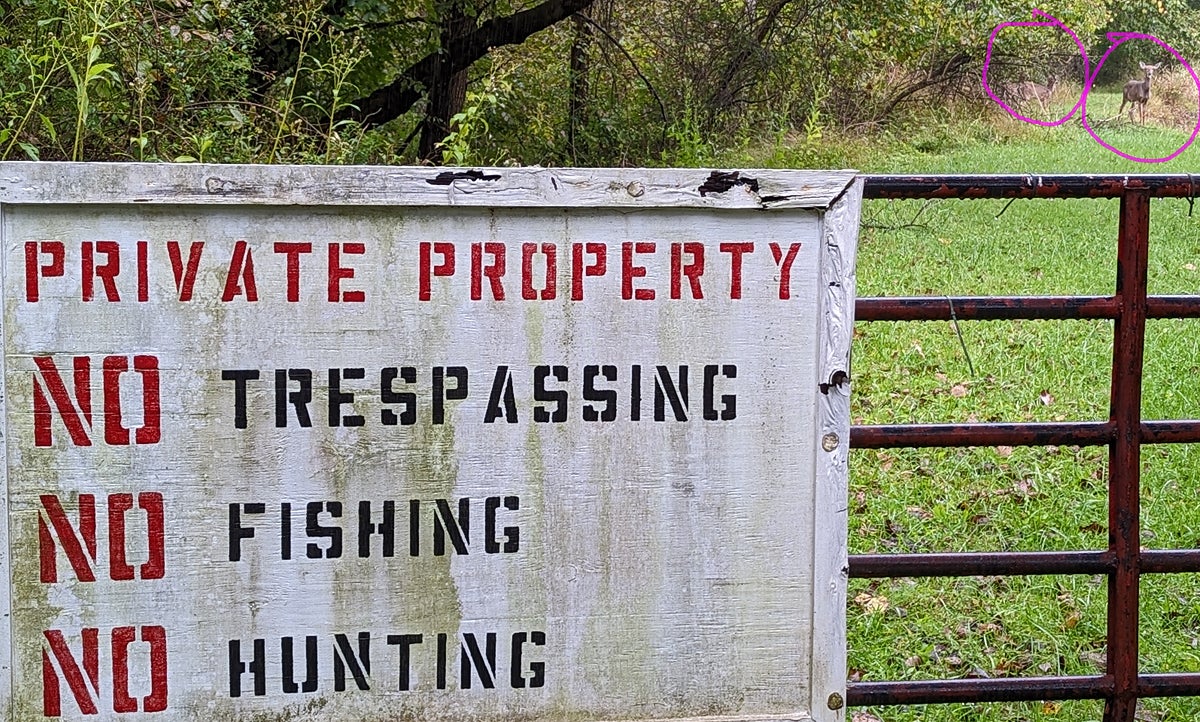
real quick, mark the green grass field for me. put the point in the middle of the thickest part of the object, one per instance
(1024, 498)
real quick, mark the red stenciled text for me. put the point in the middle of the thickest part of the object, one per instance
(104, 273)
(548, 271)
(643, 270)
(76, 539)
(51, 396)
(81, 672)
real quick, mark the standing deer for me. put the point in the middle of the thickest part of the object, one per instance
(1137, 93)
(1027, 90)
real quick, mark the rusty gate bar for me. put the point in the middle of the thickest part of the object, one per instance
(1181, 185)
(971, 564)
(1170, 432)
(999, 308)
(1168, 685)
(1123, 562)
(1170, 561)
(1080, 433)
(993, 308)
(1124, 454)
(1008, 689)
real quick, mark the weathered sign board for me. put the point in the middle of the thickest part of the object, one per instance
(310, 443)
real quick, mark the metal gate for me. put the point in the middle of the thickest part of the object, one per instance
(1123, 433)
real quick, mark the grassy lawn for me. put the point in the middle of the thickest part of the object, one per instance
(1024, 498)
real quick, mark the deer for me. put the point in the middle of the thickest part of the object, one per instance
(1137, 93)
(1027, 90)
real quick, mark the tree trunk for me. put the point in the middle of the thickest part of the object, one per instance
(577, 99)
(447, 89)
(395, 98)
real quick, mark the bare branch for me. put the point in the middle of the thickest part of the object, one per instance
(662, 109)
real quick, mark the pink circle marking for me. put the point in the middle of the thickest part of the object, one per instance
(1090, 76)
(1050, 22)
(1117, 39)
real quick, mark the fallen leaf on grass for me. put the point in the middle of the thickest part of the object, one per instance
(859, 716)
(1008, 667)
(1005, 451)
(1025, 488)
(1072, 619)
(872, 604)
(1099, 660)
(1051, 708)
(958, 391)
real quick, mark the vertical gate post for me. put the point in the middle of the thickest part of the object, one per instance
(1124, 454)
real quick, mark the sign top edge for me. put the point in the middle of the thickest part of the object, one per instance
(26, 182)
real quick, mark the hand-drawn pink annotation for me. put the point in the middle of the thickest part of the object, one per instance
(1089, 78)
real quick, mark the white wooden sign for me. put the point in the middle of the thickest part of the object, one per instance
(310, 443)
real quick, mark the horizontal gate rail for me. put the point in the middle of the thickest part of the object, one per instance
(973, 564)
(1124, 432)
(999, 308)
(1081, 433)
(1182, 185)
(986, 564)
(1007, 689)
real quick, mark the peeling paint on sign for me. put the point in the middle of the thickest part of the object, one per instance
(567, 455)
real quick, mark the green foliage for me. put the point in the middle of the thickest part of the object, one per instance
(690, 148)
(132, 80)
(630, 83)
(94, 23)
(470, 127)
(1175, 22)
